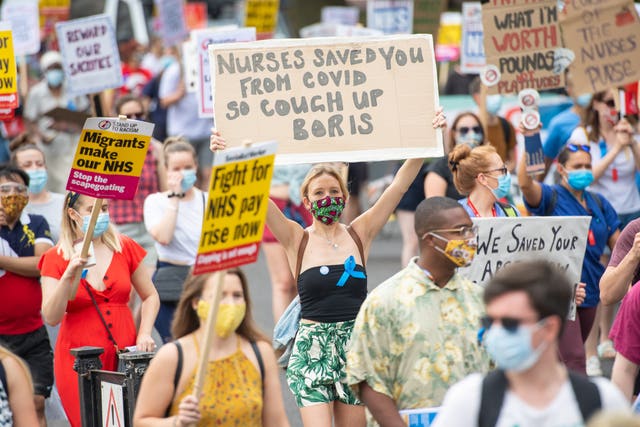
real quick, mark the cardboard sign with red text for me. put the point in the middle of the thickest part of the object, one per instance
(236, 210)
(109, 158)
(521, 38)
(605, 38)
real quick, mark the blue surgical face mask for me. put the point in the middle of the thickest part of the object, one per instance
(504, 186)
(54, 77)
(470, 138)
(102, 224)
(512, 351)
(188, 179)
(579, 179)
(37, 180)
(493, 104)
(584, 100)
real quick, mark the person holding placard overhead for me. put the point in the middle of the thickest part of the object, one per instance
(172, 218)
(241, 385)
(98, 315)
(483, 176)
(328, 261)
(571, 198)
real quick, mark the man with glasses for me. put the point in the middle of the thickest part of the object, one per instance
(23, 238)
(416, 333)
(527, 305)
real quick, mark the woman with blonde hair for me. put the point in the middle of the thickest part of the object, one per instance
(98, 315)
(328, 261)
(241, 386)
(481, 175)
(173, 218)
(17, 407)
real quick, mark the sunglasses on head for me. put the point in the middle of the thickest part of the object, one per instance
(465, 129)
(575, 147)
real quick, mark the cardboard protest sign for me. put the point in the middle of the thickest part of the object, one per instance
(390, 16)
(236, 210)
(173, 24)
(472, 58)
(520, 39)
(190, 65)
(8, 71)
(561, 240)
(324, 29)
(90, 54)
(344, 15)
(25, 25)
(203, 38)
(325, 99)
(263, 15)
(605, 38)
(109, 158)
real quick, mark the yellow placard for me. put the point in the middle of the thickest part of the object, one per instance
(236, 209)
(109, 158)
(262, 14)
(7, 63)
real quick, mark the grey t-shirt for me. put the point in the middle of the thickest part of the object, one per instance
(51, 211)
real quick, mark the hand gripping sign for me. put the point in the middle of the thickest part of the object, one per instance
(107, 165)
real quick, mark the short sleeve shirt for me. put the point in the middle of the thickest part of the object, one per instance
(623, 246)
(412, 340)
(560, 129)
(625, 332)
(441, 168)
(604, 223)
(21, 296)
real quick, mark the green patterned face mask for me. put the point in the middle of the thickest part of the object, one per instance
(328, 209)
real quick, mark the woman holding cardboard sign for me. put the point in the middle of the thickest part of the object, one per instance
(328, 260)
(241, 385)
(99, 314)
(571, 198)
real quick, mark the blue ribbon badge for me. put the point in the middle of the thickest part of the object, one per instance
(350, 271)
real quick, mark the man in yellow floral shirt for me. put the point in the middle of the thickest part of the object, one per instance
(416, 333)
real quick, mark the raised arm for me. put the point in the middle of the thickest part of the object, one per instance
(369, 223)
(531, 189)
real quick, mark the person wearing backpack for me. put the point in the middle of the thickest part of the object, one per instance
(527, 305)
(484, 178)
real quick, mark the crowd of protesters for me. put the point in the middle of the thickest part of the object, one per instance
(427, 337)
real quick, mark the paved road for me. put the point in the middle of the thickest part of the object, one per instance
(384, 260)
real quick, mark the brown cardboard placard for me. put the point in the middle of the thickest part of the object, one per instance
(520, 38)
(605, 37)
(60, 114)
(329, 99)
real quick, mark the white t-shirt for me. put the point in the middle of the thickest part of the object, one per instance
(184, 246)
(621, 192)
(462, 404)
(51, 211)
(182, 116)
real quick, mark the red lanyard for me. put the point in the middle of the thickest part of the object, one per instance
(475, 211)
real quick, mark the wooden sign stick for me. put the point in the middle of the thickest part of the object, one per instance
(482, 110)
(208, 333)
(84, 253)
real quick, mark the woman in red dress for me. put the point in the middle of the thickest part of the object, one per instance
(118, 267)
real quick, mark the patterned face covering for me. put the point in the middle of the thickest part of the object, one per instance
(328, 209)
(460, 251)
(13, 204)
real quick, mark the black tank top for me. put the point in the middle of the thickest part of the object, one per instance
(332, 293)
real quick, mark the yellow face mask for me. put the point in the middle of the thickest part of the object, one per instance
(13, 204)
(230, 316)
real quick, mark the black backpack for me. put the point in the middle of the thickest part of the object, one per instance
(494, 387)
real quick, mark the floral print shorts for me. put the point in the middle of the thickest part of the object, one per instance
(316, 371)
